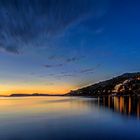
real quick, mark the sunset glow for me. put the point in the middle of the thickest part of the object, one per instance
(52, 47)
(7, 90)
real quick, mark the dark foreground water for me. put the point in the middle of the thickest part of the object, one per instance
(69, 118)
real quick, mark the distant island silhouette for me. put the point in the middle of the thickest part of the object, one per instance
(28, 95)
(34, 94)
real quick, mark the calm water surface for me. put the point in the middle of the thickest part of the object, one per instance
(69, 118)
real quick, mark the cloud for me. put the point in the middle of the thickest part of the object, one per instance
(72, 59)
(53, 66)
(10, 49)
(56, 57)
(65, 59)
(30, 23)
(76, 73)
(90, 70)
(87, 70)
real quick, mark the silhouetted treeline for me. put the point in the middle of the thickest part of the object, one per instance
(126, 84)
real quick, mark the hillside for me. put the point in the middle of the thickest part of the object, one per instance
(126, 84)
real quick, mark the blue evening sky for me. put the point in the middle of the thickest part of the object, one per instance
(53, 46)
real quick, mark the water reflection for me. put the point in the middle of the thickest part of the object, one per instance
(129, 106)
(69, 118)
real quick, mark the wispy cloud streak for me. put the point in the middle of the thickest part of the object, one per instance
(29, 23)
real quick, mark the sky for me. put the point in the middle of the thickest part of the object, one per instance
(54, 46)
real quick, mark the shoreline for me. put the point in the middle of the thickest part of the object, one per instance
(30, 95)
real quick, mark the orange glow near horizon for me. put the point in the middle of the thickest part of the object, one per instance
(18, 89)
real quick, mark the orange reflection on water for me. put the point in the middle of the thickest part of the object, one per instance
(36, 106)
(116, 103)
(121, 104)
(129, 106)
(138, 110)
